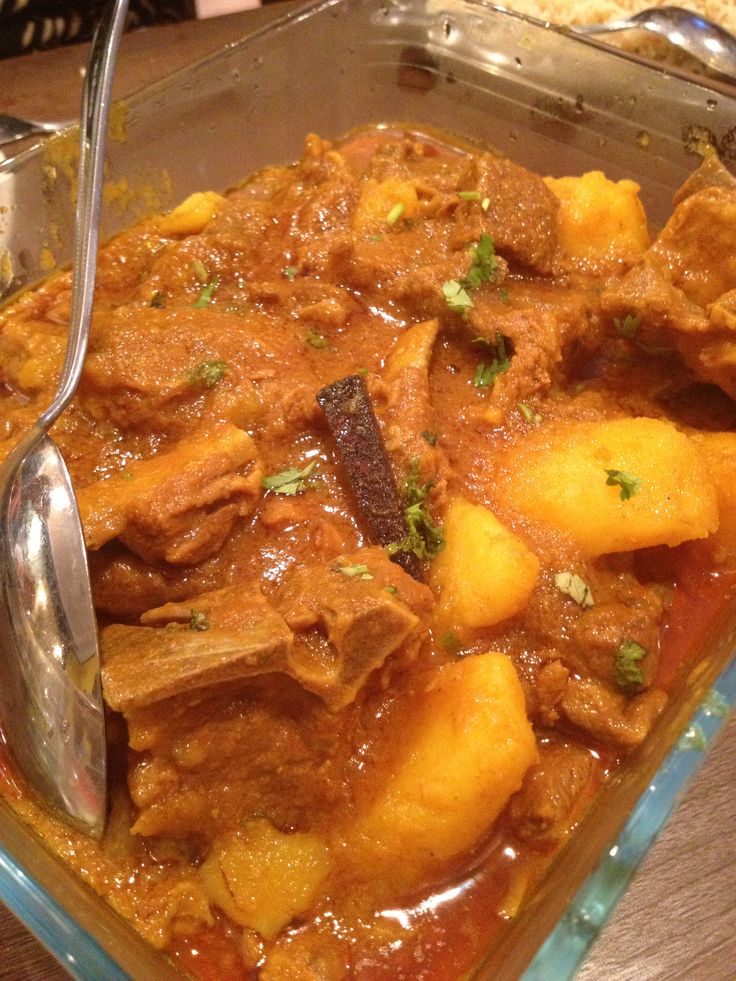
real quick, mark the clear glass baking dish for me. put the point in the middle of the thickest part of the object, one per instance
(552, 102)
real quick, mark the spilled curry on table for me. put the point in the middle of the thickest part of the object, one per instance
(408, 478)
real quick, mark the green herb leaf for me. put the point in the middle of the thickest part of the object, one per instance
(290, 481)
(391, 589)
(316, 340)
(483, 267)
(375, 238)
(198, 621)
(205, 295)
(395, 213)
(484, 264)
(486, 374)
(629, 485)
(574, 587)
(469, 195)
(289, 272)
(626, 665)
(628, 326)
(529, 414)
(430, 438)
(207, 374)
(355, 571)
(457, 297)
(424, 538)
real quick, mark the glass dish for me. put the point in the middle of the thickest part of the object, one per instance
(552, 102)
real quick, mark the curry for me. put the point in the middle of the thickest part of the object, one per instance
(401, 470)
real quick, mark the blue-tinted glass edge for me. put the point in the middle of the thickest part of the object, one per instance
(76, 949)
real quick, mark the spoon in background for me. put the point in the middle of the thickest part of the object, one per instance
(701, 38)
(51, 712)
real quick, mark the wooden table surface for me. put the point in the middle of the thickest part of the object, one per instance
(678, 919)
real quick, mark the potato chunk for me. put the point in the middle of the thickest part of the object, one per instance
(378, 201)
(719, 453)
(262, 878)
(485, 573)
(463, 755)
(600, 221)
(559, 478)
(192, 215)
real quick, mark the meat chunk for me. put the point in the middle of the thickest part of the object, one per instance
(179, 506)
(410, 418)
(203, 762)
(682, 289)
(349, 616)
(521, 214)
(609, 716)
(330, 627)
(544, 808)
(145, 665)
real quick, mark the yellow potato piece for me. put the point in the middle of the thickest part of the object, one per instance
(463, 755)
(719, 453)
(559, 479)
(378, 201)
(192, 215)
(485, 573)
(263, 878)
(600, 221)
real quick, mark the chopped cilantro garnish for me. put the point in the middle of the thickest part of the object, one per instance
(207, 374)
(626, 665)
(395, 213)
(391, 589)
(529, 414)
(289, 272)
(457, 297)
(469, 195)
(574, 587)
(628, 326)
(484, 263)
(629, 485)
(355, 571)
(375, 238)
(503, 295)
(290, 481)
(486, 374)
(198, 621)
(206, 292)
(430, 438)
(483, 267)
(316, 340)
(424, 538)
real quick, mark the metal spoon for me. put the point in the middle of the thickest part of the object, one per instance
(13, 128)
(701, 38)
(53, 723)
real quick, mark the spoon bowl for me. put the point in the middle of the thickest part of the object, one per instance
(701, 38)
(51, 710)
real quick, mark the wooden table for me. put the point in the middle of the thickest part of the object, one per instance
(678, 920)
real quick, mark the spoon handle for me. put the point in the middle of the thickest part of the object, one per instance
(96, 99)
